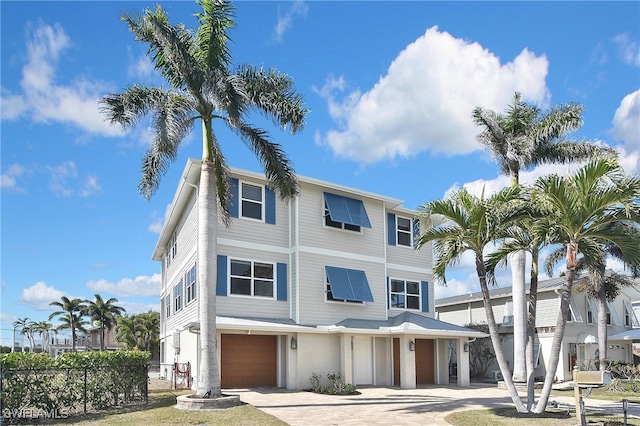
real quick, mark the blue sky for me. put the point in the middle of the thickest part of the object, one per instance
(390, 86)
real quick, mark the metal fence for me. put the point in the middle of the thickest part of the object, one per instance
(27, 394)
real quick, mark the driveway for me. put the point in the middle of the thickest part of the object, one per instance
(427, 405)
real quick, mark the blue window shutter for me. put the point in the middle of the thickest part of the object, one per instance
(235, 197)
(416, 232)
(281, 275)
(349, 284)
(347, 210)
(221, 283)
(424, 292)
(388, 292)
(270, 206)
(391, 229)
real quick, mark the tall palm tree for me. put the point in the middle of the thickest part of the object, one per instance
(70, 315)
(106, 312)
(127, 331)
(29, 330)
(197, 67)
(521, 138)
(20, 324)
(468, 223)
(582, 207)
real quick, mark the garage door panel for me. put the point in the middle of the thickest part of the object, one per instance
(248, 361)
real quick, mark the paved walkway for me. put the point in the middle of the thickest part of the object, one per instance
(427, 405)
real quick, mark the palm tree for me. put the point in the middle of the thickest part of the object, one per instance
(28, 330)
(43, 328)
(127, 331)
(21, 324)
(71, 315)
(468, 223)
(581, 208)
(521, 138)
(105, 312)
(196, 65)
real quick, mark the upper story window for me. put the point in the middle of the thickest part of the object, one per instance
(573, 313)
(250, 278)
(190, 284)
(592, 311)
(612, 314)
(345, 213)
(347, 285)
(177, 297)
(167, 306)
(172, 248)
(630, 319)
(251, 201)
(404, 232)
(404, 294)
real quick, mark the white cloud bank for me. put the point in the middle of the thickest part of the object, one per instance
(425, 100)
(43, 99)
(285, 20)
(40, 295)
(140, 286)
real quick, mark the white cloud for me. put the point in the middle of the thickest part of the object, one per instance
(40, 295)
(43, 99)
(8, 180)
(628, 49)
(64, 180)
(141, 68)
(140, 286)
(158, 222)
(626, 123)
(425, 100)
(285, 21)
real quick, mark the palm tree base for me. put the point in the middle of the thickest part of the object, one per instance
(196, 402)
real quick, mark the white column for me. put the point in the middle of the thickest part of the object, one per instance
(463, 362)
(407, 363)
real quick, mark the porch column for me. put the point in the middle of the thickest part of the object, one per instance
(442, 361)
(407, 363)
(291, 361)
(346, 357)
(463, 362)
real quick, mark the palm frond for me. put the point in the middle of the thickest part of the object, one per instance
(212, 38)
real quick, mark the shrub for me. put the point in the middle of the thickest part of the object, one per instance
(336, 386)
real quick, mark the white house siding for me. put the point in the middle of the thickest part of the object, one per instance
(453, 316)
(186, 240)
(313, 232)
(313, 306)
(316, 353)
(234, 305)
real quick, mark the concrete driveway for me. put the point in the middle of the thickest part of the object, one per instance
(427, 405)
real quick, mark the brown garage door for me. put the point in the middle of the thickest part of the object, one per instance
(425, 362)
(248, 361)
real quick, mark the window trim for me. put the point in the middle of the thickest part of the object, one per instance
(328, 287)
(274, 279)
(343, 226)
(241, 200)
(171, 249)
(410, 231)
(349, 209)
(177, 297)
(631, 314)
(191, 289)
(592, 309)
(418, 295)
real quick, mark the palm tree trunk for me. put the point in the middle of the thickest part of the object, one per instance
(556, 343)
(208, 375)
(602, 327)
(519, 294)
(102, 335)
(531, 331)
(495, 337)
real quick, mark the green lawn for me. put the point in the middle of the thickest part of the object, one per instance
(509, 417)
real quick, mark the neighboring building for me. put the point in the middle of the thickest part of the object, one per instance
(329, 282)
(579, 345)
(85, 342)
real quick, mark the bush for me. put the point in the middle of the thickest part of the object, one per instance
(336, 386)
(73, 381)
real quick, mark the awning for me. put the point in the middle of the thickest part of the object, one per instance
(348, 284)
(347, 210)
(629, 335)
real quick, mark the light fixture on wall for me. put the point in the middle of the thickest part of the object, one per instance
(294, 343)
(466, 347)
(412, 345)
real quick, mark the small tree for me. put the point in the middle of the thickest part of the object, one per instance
(481, 354)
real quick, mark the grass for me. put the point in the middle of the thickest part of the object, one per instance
(603, 394)
(509, 416)
(161, 410)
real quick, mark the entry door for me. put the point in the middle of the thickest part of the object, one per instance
(396, 361)
(362, 361)
(425, 362)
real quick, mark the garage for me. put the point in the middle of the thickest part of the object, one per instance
(248, 361)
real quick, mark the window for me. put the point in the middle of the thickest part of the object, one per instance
(250, 278)
(251, 201)
(177, 297)
(630, 319)
(404, 294)
(172, 249)
(167, 305)
(347, 285)
(190, 283)
(592, 311)
(345, 213)
(612, 314)
(404, 232)
(573, 313)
